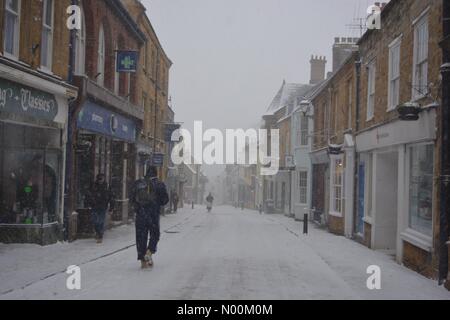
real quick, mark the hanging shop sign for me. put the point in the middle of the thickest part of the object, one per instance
(158, 159)
(19, 99)
(127, 61)
(95, 118)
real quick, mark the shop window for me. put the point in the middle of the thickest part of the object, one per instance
(30, 182)
(337, 185)
(421, 188)
(12, 27)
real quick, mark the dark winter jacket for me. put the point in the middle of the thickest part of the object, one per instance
(161, 197)
(100, 196)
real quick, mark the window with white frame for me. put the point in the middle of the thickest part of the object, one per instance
(394, 75)
(303, 186)
(370, 90)
(304, 130)
(298, 130)
(420, 72)
(11, 28)
(337, 185)
(101, 57)
(47, 34)
(80, 47)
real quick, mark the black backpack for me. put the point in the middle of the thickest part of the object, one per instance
(145, 192)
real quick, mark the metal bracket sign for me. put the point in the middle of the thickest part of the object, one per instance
(127, 61)
(158, 159)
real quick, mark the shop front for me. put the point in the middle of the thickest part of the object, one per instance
(397, 194)
(106, 144)
(33, 123)
(320, 160)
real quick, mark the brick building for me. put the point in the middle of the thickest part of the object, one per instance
(398, 161)
(153, 85)
(333, 148)
(108, 114)
(34, 104)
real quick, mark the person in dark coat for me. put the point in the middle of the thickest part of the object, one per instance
(148, 196)
(100, 197)
(175, 201)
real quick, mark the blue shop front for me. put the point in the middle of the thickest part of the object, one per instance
(106, 143)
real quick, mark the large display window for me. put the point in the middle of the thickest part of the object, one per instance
(30, 171)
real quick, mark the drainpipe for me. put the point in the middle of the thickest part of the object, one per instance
(445, 148)
(69, 145)
(357, 157)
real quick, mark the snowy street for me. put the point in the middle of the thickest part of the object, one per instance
(227, 254)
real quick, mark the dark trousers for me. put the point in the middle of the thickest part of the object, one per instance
(98, 219)
(147, 232)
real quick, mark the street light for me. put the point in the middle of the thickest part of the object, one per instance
(305, 108)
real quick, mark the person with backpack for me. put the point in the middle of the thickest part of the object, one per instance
(148, 196)
(100, 197)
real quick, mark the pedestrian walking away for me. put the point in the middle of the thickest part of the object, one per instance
(175, 200)
(148, 196)
(100, 197)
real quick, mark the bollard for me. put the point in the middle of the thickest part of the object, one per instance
(305, 224)
(192, 205)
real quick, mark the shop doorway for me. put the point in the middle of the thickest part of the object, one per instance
(386, 195)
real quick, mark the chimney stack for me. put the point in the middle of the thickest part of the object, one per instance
(318, 65)
(342, 49)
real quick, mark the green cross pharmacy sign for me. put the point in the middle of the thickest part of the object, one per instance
(127, 61)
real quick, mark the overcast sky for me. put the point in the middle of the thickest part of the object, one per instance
(231, 56)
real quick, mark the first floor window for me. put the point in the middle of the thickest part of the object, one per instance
(47, 35)
(303, 186)
(421, 188)
(11, 25)
(304, 127)
(394, 75)
(371, 91)
(420, 74)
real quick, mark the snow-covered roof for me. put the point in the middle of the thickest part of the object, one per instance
(288, 95)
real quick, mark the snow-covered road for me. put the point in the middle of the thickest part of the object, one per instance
(228, 254)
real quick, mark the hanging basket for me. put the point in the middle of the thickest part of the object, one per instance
(409, 111)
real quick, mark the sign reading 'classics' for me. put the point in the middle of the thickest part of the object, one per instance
(20, 99)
